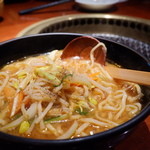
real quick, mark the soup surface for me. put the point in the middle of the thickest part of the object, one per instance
(44, 97)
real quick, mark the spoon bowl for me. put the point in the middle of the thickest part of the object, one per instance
(82, 47)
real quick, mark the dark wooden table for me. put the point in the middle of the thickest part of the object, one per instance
(13, 23)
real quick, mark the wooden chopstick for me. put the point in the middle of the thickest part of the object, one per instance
(26, 11)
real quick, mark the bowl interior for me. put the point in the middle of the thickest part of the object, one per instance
(37, 44)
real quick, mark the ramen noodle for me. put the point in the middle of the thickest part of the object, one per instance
(44, 97)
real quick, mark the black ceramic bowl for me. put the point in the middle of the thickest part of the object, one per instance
(36, 44)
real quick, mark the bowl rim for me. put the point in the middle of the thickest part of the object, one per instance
(116, 130)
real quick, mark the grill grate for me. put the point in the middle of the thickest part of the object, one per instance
(132, 32)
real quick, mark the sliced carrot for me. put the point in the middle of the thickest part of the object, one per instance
(20, 99)
(75, 84)
(93, 75)
(10, 93)
(27, 102)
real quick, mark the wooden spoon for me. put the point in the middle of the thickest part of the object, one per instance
(81, 47)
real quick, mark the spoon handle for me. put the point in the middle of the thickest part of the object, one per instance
(140, 77)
